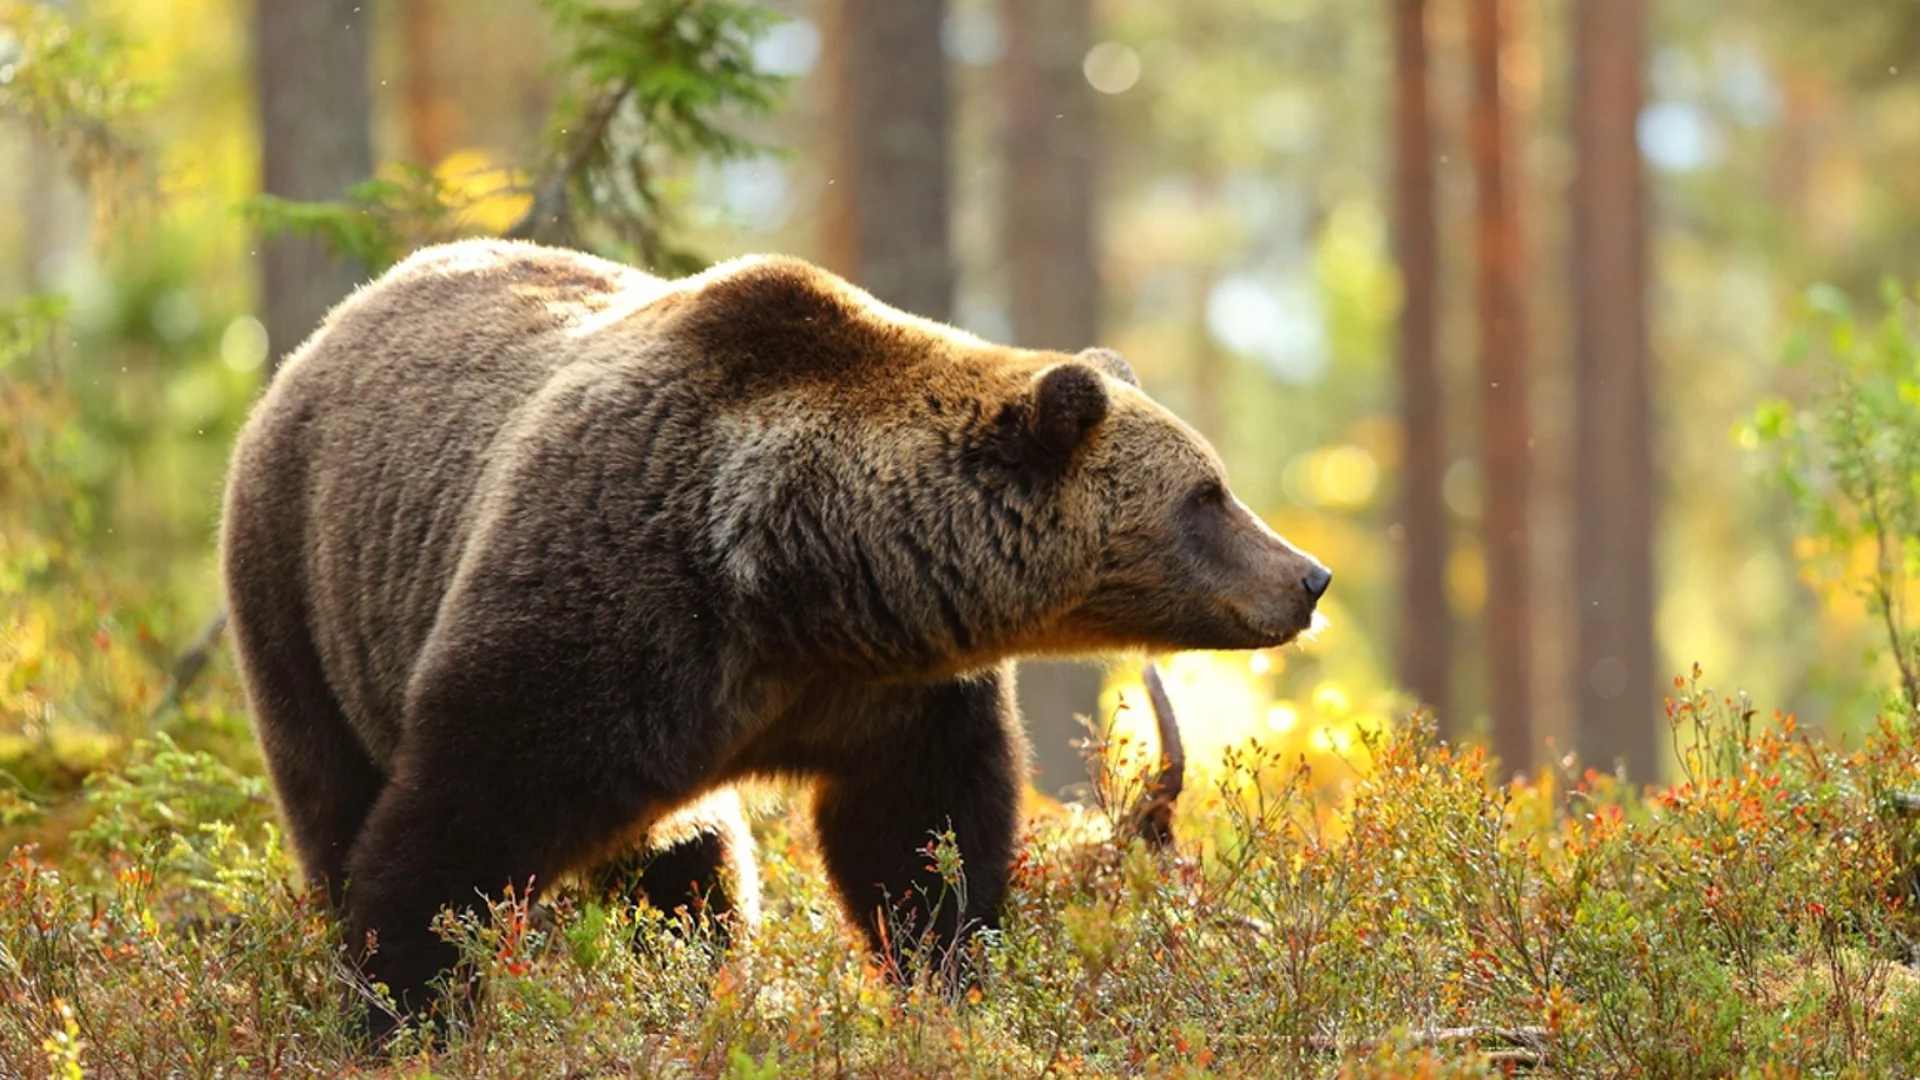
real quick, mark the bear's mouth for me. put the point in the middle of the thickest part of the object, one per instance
(1268, 636)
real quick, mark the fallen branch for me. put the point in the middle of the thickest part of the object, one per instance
(1153, 816)
(190, 663)
(1512, 1048)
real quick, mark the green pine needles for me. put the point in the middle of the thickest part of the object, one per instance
(649, 90)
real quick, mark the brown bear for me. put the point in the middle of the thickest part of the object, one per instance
(527, 552)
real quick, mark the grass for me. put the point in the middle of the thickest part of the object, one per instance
(1755, 919)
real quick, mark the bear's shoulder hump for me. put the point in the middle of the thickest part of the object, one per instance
(774, 291)
(779, 315)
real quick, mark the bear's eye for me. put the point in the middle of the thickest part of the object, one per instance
(1209, 494)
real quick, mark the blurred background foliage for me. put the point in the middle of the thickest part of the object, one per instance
(1240, 187)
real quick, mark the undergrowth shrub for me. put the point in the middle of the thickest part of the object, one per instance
(1759, 912)
(1848, 455)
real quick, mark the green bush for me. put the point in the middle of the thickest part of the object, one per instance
(1850, 459)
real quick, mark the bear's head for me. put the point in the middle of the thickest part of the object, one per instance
(896, 497)
(1181, 563)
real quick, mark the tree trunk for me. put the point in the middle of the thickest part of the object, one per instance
(1210, 367)
(310, 75)
(888, 202)
(1425, 631)
(1050, 145)
(1506, 449)
(1049, 194)
(433, 125)
(1615, 685)
(39, 211)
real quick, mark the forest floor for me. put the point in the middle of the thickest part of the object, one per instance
(1755, 919)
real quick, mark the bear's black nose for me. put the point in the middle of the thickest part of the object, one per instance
(1317, 580)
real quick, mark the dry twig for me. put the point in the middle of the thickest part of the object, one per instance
(1515, 1049)
(1153, 816)
(190, 663)
(549, 219)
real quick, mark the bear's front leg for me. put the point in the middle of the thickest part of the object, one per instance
(946, 755)
(438, 837)
(474, 807)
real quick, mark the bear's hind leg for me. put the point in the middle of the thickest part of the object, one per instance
(950, 756)
(698, 860)
(323, 778)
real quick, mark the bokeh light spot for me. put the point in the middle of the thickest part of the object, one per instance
(1331, 700)
(1608, 677)
(243, 344)
(1345, 476)
(1466, 581)
(1461, 487)
(1111, 68)
(788, 48)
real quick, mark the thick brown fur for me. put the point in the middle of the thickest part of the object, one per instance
(526, 551)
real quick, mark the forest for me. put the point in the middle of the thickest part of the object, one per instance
(1579, 338)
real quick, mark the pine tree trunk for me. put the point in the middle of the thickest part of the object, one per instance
(1506, 448)
(887, 210)
(432, 123)
(1615, 684)
(1425, 627)
(1049, 195)
(310, 76)
(1054, 281)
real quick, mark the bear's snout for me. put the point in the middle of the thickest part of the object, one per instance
(1270, 587)
(1284, 609)
(1316, 583)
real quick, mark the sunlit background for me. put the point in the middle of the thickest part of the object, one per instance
(1243, 209)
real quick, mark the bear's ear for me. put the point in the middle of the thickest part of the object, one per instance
(1112, 363)
(1069, 400)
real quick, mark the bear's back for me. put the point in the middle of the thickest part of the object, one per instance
(480, 385)
(372, 440)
